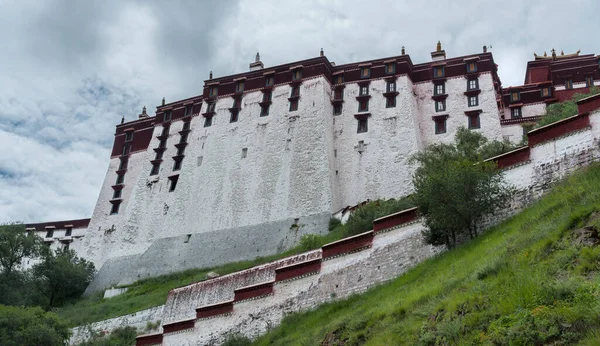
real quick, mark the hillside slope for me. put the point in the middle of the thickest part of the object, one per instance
(534, 279)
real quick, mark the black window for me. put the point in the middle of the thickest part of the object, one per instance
(297, 75)
(267, 96)
(210, 107)
(440, 106)
(473, 101)
(339, 79)
(162, 143)
(155, 168)
(120, 178)
(114, 209)
(126, 149)
(516, 112)
(438, 72)
(117, 194)
(234, 117)
(390, 102)
(188, 110)
(167, 116)
(295, 91)
(128, 136)
(338, 94)
(364, 90)
(515, 96)
(180, 151)
(474, 121)
(68, 232)
(186, 126)
(123, 164)
(264, 110)
(293, 105)
(589, 81)
(439, 89)
(337, 109)
(173, 184)
(569, 84)
(208, 121)
(390, 68)
(239, 87)
(472, 67)
(363, 126)
(365, 72)
(49, 233)
(269, 81)
(212, 91)
(183, 138)
(472, 84)
(177, 165)
(159, 155)
(363, 106)
(440, 126)
(391, 86)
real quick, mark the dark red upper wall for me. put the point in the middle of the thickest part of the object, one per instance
(79, 223)
(142, 134)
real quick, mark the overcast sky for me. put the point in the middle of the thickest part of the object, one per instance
(69, 70)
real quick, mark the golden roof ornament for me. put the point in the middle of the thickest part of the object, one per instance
(555, 56)
(403, 51)
(438, 47)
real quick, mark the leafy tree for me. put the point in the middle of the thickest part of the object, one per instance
(62, 276)
(15, 244)
(455, 189)
(31, 327)
(124, 336)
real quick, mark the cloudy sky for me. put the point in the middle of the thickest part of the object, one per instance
(69, 70)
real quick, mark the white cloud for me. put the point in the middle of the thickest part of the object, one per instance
(71, 70)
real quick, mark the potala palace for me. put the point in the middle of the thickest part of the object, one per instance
(262, 157)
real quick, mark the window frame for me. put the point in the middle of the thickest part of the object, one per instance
(390, 68)
(120, 179)
(365, 103)
(269, 81)
(474, 125)
(167, 115)
(365, 72)
(388, 84)
(114, 209)
(337, 109)
(589, 81)
(440, 129)
(475, 81)
(362, 125)
(439, 68)
(390, 102)
(293, 105)
(568, 84)
(239, 86)
(117, 194)
(188, 110)
(208, 121)
(436, 86)
(155, 169)
(513, 93)
(474, 67)
(363, 90)
(297, 74)
(128, 136)
(473, 97)
(442, 103)
(516, 110)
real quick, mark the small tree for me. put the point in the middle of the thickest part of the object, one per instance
(455, 190)
(16, 244)
(62, 276)
(31, 327)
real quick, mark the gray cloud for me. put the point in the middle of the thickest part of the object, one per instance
(71, 70)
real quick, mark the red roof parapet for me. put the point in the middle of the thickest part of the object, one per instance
(557, 129)
(511, 158)
(395, 220)
(347, 245)
(298, 270)
(214, 310)
(588, 104)
(149, 339)
(179, 326)
(254, 291)
(40, 227)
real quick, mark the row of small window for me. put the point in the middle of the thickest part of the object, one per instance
(440, 88)
(472, 123)
(50, 232)
(213, 90)
(186, 113)
(265, 106)
(472, 101)
(440, 71)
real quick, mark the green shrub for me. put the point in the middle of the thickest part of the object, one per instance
(237, 340)
(563, 110)
(31, 327)
(310, 242)
(334, 223)
(124, 336)
(589, 260)
(362, 219)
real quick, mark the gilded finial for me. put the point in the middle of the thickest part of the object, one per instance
(144, 110)
(210, 75)
(561, 52)
(553, 53)
(439, 47)
(322, 53)
(163, 101)
(123, 119)
(257, 59)
(403, 51)
(545, 55)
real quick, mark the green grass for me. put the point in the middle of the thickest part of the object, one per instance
(152, 292)
(525, 282)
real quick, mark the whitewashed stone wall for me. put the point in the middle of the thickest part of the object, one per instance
(528, 110)
(456, 105)
(138, 320)
(513, 133)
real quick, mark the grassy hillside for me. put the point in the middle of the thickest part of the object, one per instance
(533, 280)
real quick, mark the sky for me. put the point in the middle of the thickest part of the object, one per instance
(69, 70)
